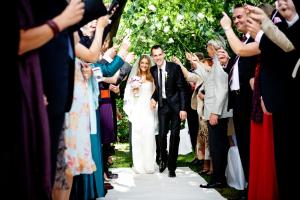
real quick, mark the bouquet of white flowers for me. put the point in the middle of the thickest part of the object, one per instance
(135, 83)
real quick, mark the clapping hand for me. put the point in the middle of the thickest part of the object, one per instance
(72, 14)
(130, 57)
(124, 47)
(103, 21)
(189, 56)
(256, 13)
(177, 61)
(223, 56)
(287, 9)
(111, 52)
(225, 22)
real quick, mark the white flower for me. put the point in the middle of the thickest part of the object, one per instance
(158, 25)
(170, 40)
(175, 30)
(140, 20)
(179, 17)
(200, 15)
(166, 29)
(165, 18)
(166, 75)
(152, 27)
(152, 8)
(128, 31)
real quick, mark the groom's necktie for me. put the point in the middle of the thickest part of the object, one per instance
(160, 99)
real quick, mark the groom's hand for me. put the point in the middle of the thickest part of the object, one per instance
(182, 115)
(152, 104)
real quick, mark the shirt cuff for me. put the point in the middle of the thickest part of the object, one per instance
(259, 36)
(107, 58)
(293, 21)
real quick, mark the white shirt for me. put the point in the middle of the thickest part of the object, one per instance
(235, 84)
(164, 75)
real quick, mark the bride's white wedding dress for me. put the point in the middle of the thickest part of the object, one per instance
(144, 124)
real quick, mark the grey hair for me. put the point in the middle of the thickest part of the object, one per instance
(217, 44)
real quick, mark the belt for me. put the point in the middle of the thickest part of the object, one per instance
(236, 92)
(104, 94)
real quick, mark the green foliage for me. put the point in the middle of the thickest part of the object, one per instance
(123, 132)
(178, 25)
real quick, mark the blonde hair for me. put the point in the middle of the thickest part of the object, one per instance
(148, 74)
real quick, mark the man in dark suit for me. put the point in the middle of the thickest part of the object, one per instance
(171, 97)
(240, 71)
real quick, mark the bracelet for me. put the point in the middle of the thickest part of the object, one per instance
(53, 27)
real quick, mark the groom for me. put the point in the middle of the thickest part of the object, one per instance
(170, 93)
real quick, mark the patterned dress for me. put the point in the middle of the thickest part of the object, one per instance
(77, 130)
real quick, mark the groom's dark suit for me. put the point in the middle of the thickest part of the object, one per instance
(168, 111)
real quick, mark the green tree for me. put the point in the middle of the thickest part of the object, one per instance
(178, 25)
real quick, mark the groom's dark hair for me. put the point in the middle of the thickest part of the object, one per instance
(157, 46)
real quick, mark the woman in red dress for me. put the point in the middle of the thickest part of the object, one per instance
(262, 174)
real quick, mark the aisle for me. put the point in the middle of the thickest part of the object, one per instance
(158, 186)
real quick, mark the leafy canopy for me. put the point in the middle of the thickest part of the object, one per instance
(178, 25)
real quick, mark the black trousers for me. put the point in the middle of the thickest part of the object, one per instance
(286, 146)
(218, 147)
(168, 118)
(242, 122)
(193, 123)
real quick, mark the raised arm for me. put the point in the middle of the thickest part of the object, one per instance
(270, 29)
(92, 54)
(36, 37)
(235, 43)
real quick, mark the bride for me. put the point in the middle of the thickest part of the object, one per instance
(138, 92)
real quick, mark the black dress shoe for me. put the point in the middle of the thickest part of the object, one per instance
(197, 162)
(213, 185)
(162, 166)
(172, 174)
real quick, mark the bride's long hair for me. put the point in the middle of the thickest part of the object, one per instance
(148, 74)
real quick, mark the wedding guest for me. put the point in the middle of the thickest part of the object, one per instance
(34, 139)
(192, 115)
(240, 70)
(78, 153)
(216, 113)
(284, 106)
(198, 77)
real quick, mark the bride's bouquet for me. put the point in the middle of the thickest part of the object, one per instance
(135, 83)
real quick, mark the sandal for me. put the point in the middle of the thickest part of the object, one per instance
(209, 173)
(204, 171)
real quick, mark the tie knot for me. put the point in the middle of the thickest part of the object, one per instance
(244, 38)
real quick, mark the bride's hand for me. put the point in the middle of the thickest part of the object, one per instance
(182, 115)
(152, 104)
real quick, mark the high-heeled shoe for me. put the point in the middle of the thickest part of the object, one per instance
(203, 171)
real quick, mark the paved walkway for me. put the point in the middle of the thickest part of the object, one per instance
(158, 186)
